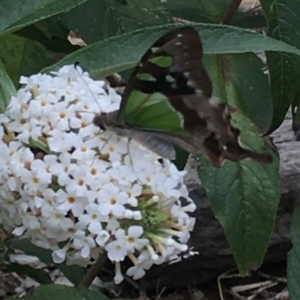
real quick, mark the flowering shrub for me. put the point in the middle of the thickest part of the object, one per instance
(81, 192)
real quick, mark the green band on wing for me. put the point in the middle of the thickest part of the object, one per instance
(170, 78)
(146, 77)
(152, 112)
(162, 61)
(154, 49)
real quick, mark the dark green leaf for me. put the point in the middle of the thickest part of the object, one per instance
(283, 24)
(74, 273)
(248, 20)
(240, 192)
(293, 263)
(50, 34)
(100, 20)
(107, 57)
(37, 144)
(61, 292)
(28, 248)
(22, 56)
(244, 197)
(37, 274)
(181, 158)
(7, 88)
(105, 18)
(138, 14)
(198, 10)
(18, 14)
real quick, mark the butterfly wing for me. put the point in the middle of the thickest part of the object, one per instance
(153, 99)
(169, 96)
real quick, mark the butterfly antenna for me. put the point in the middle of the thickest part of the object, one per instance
(76, 65)
(129, 154)
(92, 94)
(131, 160)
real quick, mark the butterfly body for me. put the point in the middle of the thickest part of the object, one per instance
(168, 100)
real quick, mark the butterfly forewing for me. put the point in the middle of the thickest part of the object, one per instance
(171, 68)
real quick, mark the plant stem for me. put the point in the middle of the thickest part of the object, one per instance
(93, 271)
(230, 11)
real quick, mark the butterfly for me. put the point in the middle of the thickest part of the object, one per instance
(168, 100)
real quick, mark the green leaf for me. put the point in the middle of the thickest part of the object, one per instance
(244, 197)
(105, 18)
(100, 21)
(28, 248)
(38, 145)
(198, 10)
(212, 12)
(107, 57)
(239, 81)
(136, 14)
(22, 56)
(74, 273)
(284, 69)
(248, 20)
(293, 261)
(62, 292)
(241, 191)
(7, 88)
(18, 14)
(38, 275)
(50, 34)
(181, 158)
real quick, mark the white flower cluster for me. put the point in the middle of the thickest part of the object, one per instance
(80, 192)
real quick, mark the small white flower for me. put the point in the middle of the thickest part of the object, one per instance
(113, 224)
(118, 275)
(19, 158)
(134, 242)
(144, 262)
(102, 238)
(62, 167)
(96, 175)
(60, 141)
(59, 255)
(26, 129)
(92, 218)
(78, 184)
(60, 115)
(116, 250)
(124, 175)
(115, 148)
(57, 222)
(83, 151)
(47, 202)
(42, 105)
(112, 200)
(83, 243)
(69, 201)
(133, 192)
